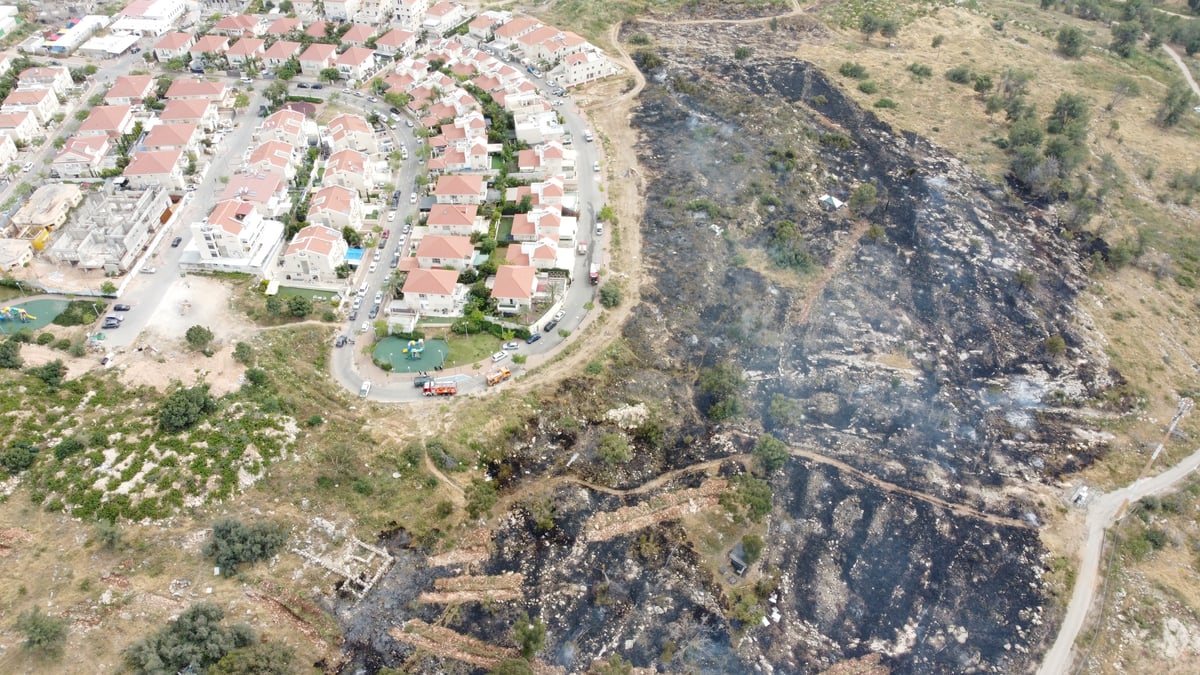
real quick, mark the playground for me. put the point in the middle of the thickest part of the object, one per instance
(411, 356)
(31, 315)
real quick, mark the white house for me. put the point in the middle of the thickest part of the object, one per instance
(273, 156)
(352, 169)
(337, 207)
(148, 17)
(348, 131)
(444, 16)
(284, 125)
(436, 251)
(455, 219)
(313, 256)
(169, 136)
(55, 78)
(156, 168)
(514, 288)
(267, 191)
(432, 291)
(355, 63)
(129, 90)
(173, 46)
(460, 190)
(83, 156)
(316, 58)
(245, 50)
(21, 126)
(396, 42)
(42, 103)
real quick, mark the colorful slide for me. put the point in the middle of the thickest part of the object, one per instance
(7, 313)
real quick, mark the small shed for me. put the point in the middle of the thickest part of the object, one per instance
(830, 202)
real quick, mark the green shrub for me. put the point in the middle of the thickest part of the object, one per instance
(67, 447)
(886, 103)
(195, 640)
(45, 338)
(959, 75)
(853, 70)
(43, 633)
(920, 70)
(614, 449)
(234, 543)
(868, 87)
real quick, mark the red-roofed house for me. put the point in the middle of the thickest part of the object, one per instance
(396, 42)
(183, 135)
(460, 190)
(281, 27)
(432, 291)
(83, 156)
(283, 125)
(518, 27)
(454, 219)
(541, 254)
(22, 126)
(129, 90)
(355, 63)
(281, 52)
(438, 251)
(353, 132)
(319, 29)
(107, 120)
(538, 223)
(336, 206)
(156, 168)
(230, 231)
(316, 58)
(313, 256)
(547, 159)
(188, 88)
(582, 67)
(444, 16)
(41, 103)
(266, 190)
(209, 44)
(514, 288)
(357, 35)
(240, 25)
(54, 78)
(273, 156)
(246, 49)
(173, 46)
(350, 168)
(199, 112)
(481, 26)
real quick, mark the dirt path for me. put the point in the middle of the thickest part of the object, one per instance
(1187, 74)
(796, 10)
(836, 263)
(1103, 512)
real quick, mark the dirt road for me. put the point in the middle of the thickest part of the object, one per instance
(1187, 74)
(1103, 512)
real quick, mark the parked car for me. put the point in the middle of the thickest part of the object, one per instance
(533, 338)
(341, 341)
(149, 270)
(318, 86)
(558, 316)
(304, 85)
(550, 325)
(499, 356)
(27, 167)
(353, 316)
(413, 198)
(110, 325)
(391, 216)
(365, 327)
(121, 308)
(511, 346)
(378, 297)
(176, 242)
(373, 313)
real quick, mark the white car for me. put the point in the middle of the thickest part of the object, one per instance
(391, 216)
(499, 356)
(27, 167)
(378, 297)
(558, 316)
(412, 199)
(374, 266)
(365, 327)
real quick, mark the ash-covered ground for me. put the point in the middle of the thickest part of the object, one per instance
(912, 362)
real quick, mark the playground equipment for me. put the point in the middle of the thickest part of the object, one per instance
(497, 376)
(415, 349)
(9, 313)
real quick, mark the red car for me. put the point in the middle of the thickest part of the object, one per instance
(386, 234)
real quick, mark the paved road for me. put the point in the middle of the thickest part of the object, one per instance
(1102, 512)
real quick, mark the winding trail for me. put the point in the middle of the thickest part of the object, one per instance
(1187, 73)
(1103, 512)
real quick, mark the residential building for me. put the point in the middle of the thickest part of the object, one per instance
(273, 156)
(455, 220)
(8, 149)
(199, 112)
(156, 169)
(541, 254)
(240, 25)
(66, 39)
(281, 52)
(444, 16)
(46, 209)
(316, 58)
(208, 46)
(321, 30)
(234, 237)
(347, 131)
(111, 229)
(21, 126)
(508, 33)
(396, 42)
(550, 45)
(358, 34)
(460, 190)
(267, 191)
(284, 125)
(583, 67)
(83, 156)
(15, 253)
(436, 251)
(107, 120)
(481, 27)
(55, 78)
(356, 63)
(541, 222)
(514, 288)
(148, 17)
(313, 257)
(337, 207)
(375, 12)
(284, 26)
(190, 88)
(433, 292)
(170, 136)
(173, 46)
(129, 90)
(245, 50)
(350, 168)
(341, 10)
(410, 14)
(42, 103)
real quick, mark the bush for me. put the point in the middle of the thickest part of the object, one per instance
(742, 52)
(199, 338)
(529, 634)
(1056, 345)
(720, 390)
(868, 87)
(614, 449)
(51, 373)
(610, 295)
(886, 103)
(771, 453)
(45, 338)
(43, 633)
(959, 75)
(234, 543)
(481, 497)
(1071, 42)
(260, 658)
(853, 70)
(920, 70)
(17, 457)
(752, 545)
(243, 353)
(194, 641)
(185, 407)
(67, 447)
(10, 354)
(79, 313)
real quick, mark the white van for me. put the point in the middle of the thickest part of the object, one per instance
(362, 290)
(364, 389)
(599, 229)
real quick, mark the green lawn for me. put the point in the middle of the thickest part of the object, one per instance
(313, 294)
(467, 349)
(504, 230)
